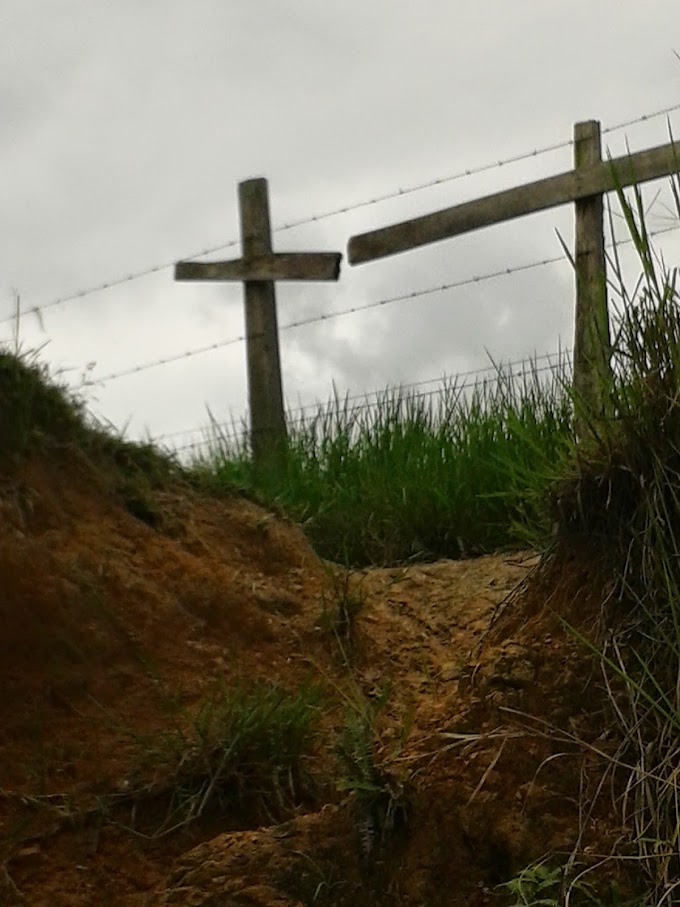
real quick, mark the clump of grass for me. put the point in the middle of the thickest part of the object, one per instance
(340, 606)
(40, 416)
(622, 495)
(418, 476)
(380, 798)
(550, 886)
(244, 748)
(34, 410)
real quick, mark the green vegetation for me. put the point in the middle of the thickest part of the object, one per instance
(414, 476)
(622, 494)
(34, 411)
(541, 884)
(40, 416)
(245, 747)
(380, 799)
(340, 606)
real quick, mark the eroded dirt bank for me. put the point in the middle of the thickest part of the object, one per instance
(444, 758)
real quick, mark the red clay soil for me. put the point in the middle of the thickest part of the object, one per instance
(113, 631)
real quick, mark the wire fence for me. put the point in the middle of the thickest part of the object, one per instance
(233, 433)
(297, 416)
(345, 209)
(352, 310)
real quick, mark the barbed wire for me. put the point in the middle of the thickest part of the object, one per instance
(504, 371)
(351, 310)
(345, 209)
(472, 171)
(107, 285)
(376, 393)
(328, 316)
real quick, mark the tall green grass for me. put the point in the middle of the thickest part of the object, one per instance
(417, 475)
(621, 492)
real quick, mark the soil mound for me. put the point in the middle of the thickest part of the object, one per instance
(162, 653)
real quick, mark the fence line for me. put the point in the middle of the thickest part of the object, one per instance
(376, 393)
(474, 171)
(517, 158)
(584, 186)
(368, 404)
(328, 316)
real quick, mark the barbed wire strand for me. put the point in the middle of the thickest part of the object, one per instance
(376, 393)
(368, 404)
(328, 316)
(127, 278)
(345, 209)
(472, 171)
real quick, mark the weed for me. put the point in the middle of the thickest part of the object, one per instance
(316, 884)
(380, 797)
(244, 746)
(538, 884)
(339, 609)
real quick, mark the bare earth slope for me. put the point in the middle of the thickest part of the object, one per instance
(113, 631)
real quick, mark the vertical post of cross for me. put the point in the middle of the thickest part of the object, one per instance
(267, 417)
(592, 343)
(258, 268)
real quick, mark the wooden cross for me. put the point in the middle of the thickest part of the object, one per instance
(258, 269)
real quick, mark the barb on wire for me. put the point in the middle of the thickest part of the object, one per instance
(345, 209)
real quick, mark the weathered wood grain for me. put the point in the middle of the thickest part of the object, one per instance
(277, 266)
(592, 377)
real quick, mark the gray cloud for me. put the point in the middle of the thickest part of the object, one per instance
(126, 128)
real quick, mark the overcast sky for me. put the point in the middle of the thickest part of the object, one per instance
(126, 126)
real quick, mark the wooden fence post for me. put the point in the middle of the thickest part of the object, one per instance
(593, 376)
(258, 268)
(265, 392)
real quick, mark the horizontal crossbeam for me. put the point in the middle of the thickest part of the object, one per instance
(502, 206)
(277, 266)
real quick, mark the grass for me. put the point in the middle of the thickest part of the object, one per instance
(40, 417)
(620, 493)
(34, 410)
(243, 748)
(380, 797)
(413, 477)
(341, 603)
